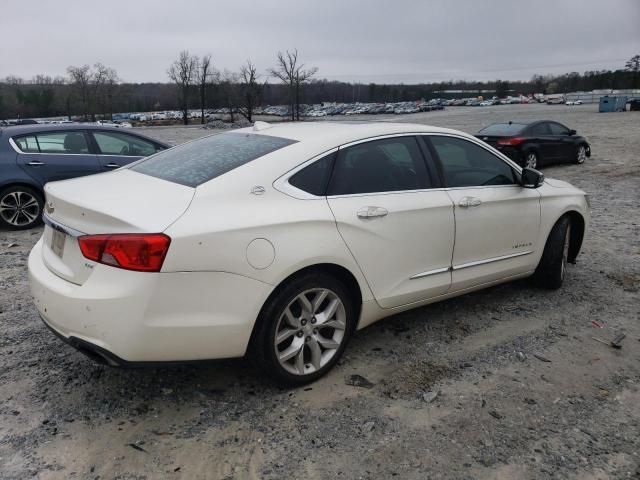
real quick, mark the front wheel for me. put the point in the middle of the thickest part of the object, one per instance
(581, 154)
(20, 208)
(553, 264)
(304, 329)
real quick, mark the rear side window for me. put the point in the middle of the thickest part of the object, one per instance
(541, 129)
(314, 178)
(197, 162)
(388, 165)
(502, 129)
(466, 164)
(72, 142)
(27, 144)
(113, 143)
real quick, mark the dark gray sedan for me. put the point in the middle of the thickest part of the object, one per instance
(32, 155)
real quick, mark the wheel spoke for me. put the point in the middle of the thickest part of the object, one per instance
(30, 203)
(300, 361)
(316, 353)
(305, 304)
(320, 297)
(284, 335)
(291, 351)
(326, 315)
(337, 324)
(291, 319)
(327, 342)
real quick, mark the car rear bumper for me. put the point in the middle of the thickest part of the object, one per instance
(125, 317)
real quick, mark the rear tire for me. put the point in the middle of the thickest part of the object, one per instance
(531, 160)
(313, 337)
(553, 264)
(20, 208)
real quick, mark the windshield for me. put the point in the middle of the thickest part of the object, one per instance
(197, 162)
(503, 129)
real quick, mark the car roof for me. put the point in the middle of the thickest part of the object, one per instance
(13, 130)
(333, 134)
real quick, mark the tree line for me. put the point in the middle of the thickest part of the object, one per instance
(92, 92)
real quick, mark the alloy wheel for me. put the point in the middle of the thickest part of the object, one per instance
(310, 331)
(19, 208)
(531, 160)
(582, 154)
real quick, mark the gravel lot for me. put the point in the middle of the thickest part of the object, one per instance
(505, 383)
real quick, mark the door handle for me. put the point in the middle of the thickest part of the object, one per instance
(112, 165)
(469, 202)
(35, 163)
(370, 212)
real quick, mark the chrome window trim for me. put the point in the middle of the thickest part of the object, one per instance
(282, 183)
(17, 149)
(60, 227)
(490, 260)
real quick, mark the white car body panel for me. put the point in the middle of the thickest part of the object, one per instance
(237, 237)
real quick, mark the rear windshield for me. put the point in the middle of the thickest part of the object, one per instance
(503, 129)
(197, 162)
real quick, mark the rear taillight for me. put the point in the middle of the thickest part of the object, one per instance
(131, 251)
(512, 142)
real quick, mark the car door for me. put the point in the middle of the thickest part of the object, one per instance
(398, 227)
(496, 220)
(565, 143)
(547, 142)
(56, 155)
(116, 149)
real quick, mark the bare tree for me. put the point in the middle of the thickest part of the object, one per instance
(633, 64)
(102, 80)
(80, 79)
(250, 89)
(183, 73)
(229, 87)
(292, 74)
(205, 74)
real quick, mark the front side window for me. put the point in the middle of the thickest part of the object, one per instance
(314, 178)
(388, 165)
(557, 129)
(466, 164)
(197, 162)
(113, 143)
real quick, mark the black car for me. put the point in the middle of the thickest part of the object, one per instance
(536, 144)
(32, 155)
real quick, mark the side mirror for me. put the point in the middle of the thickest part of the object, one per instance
(531, 178)
(572, 132)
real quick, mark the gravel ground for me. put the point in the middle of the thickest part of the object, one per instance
(505, 383)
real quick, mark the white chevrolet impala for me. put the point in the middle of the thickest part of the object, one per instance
(279, 242)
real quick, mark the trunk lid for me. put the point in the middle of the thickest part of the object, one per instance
(122, 201)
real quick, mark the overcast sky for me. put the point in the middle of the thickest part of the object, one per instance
(406, 41)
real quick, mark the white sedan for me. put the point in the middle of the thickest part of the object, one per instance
(280, 241)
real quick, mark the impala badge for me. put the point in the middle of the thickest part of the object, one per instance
(49, 208)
